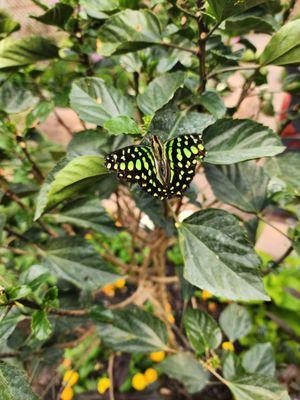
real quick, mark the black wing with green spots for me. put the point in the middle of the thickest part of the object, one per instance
(136, 164)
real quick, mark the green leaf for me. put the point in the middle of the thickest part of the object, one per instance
(259, 359)
(244, 23)
(213, 103)
(15, 99)
(99, 8)
(39, 113)
(235, 321)
(231, 367)
(2, 224)
(159, 92)
(40, 325)
(76, 261)
(17, 292)
(87, 214)
(96, 102)
(186, 369)
(286, 169)
(243, 185)
(127, 31)
(230, 141)
(8, 324)
(284, 46)
(218, 256)
(7, 24)
(66, 178)
(257, 387)
(222, 9)
(28, 50)
(202, 330)
(134, 330)
(14, 384)
(57, 15)
(122, 125)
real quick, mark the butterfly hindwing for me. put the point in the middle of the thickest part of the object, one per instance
(182, 153)
(135, 164)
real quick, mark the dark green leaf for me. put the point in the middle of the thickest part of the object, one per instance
(8, 324)
(159, 92)
(66, 178)
(284, 46)
(76, 261)
(222, 9)
(17, 292)
(231, 367)
(14, 384)
(87, 214)
(257, 387)
(235, 321)
(39, 113)
(57, 15)
(134, 330)
(231, 141)
(99, 8)
(128, 30)
(7, 24)
(28, 50)
(186, 369)
(121, 125)
(15, 99)
(2, 224)
(96, 102)
(218, 256)
(259, 359)
(40, 326)
(242, 185)
(212, 102)
(245, 23)
(202, 330)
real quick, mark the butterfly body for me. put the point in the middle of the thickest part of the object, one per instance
(163, 169)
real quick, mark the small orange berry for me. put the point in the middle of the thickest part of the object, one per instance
(67, 393)
(157, 356)
(120, 283)
(150, 375)
(70, 378)
(171, 318)
(139, 382)
(109, 290)
(212, 306)
(228, 346)
(103, 385)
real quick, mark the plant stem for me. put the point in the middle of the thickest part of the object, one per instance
(34, 167)
(175, 46)
(202, 36)
(229, 69)
(111, 377)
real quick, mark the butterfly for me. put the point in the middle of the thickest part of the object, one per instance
(164, 170)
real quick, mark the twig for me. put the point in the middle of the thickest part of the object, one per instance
(202, 36)
(246, 87)
(229, 69)
(212, 30)
(284, 326)
(62, 123)
(34, 167)
(110, 371)
(273, 226)
(175, 46)
(184, 11)
(288, 11)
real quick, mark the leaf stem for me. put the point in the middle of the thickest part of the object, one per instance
(229, 69)
(175, 46)
(273, 226)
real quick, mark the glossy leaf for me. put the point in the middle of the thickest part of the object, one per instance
(259, 359)
(202, 330)
(128, 30)
(96, 102)
(284, 46)
(244, 23)
(218, 256)
(87, 214)
(159, 92)
(222, 9)
(28, 50)
(213, 103)
(135, 331)
(122, 125)
(14, 383)
(186, 369)
(242, 185)
(40, 325)
(99, 8)
(76, 261)
(8, 324)
(257, 387)
(231, 366)
(230, 141)
(57, 15)
(15, 99)
(235, 322)
(66, 178)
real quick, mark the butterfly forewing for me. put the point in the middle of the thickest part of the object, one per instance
(135, 164)
(182, 153)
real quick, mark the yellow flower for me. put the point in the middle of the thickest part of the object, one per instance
(119, 284)
(70, 378)
(139, 382)
(150, 375)
(109, 290)
(103, 385)
(228, 346)
(157, 356)
(171, 318)
(67, 363)
(206, 295)
(67, 393)
(88, 236)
